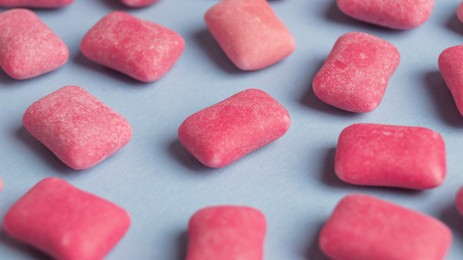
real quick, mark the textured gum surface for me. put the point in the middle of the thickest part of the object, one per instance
(223, 133)
(226, 233)
(363, 227)
(395, 156)
(394, 14)
(35, 3)
(138, 3)
(355, 75)
(140, 49)
(451, 67)
(250, 33)
(65, 222)
(77, 127)
(28, 48)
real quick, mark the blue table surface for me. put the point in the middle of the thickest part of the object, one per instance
(291, 180)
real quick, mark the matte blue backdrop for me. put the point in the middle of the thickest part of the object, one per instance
(291, 181)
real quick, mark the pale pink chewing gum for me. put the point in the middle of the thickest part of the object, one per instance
(226, 233)
(394, 14)
(249, 33)
(141, 49)
(77, 127)
(394, 156)
(356, 73)
(66, 222)
(225, 132)
(364, 227)
(35, 3)
(28, 48)
(451, 67)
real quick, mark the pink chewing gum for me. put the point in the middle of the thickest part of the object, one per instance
(250, 33)
(355, 75)
(459, 201)
(394, 156)
(35, 3)
(460, 12)
(138, 3)
(140, 49)
(451, 67)
(77, 127)
(364, 227)
(28, 48)
(394, 14)
(226, 233)
(65, 222)
(225, 132)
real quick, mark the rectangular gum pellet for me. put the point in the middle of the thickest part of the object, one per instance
(364, 227)
(250, 33)
(226, 233)
(65, 222)
(78, 128)
(356, 73)
(141, 49)
(394, 14)
(394, 156)
(28, 48)
(35, 3)
(451, 67)
(223, 133)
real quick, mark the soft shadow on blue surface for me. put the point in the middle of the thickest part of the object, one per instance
(206, 42)
(42, 151)
(25, 249)
(455, 25)
(314, 252)
(452, 218)
(443, 99)
(183, 157)
(113, 4)
(182, 245)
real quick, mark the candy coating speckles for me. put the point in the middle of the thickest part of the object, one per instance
(364, 227)
(77, 127)
(223, 133)
(355, 75)
(65, 222)
(451, 67)
(394, 156)
(394, 14)
(250, 33)
(28, 48)
(140, 49)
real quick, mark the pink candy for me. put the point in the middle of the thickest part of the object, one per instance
(451, 68)
(223, 133)
(226, 233)
(77, 127)
(249, 33)
(355, 75)
(28, 48)
(138, 3)
(394, 14)
(396, 156)
(363, 227)
(35, 3)
(65, 222)
(460, 12)
(140, 49)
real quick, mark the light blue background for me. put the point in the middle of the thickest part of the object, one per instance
(291, 181)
